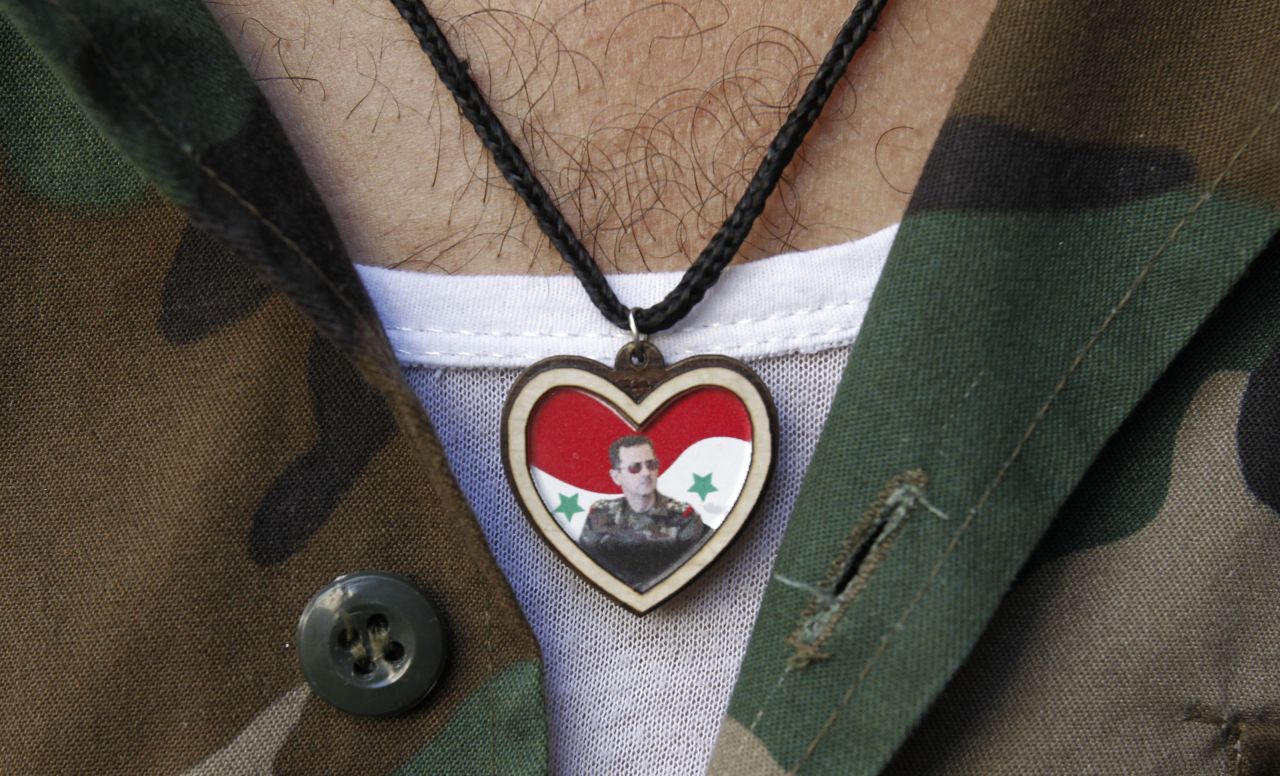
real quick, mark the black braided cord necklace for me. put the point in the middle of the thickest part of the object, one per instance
(708, 413)
(456, 76)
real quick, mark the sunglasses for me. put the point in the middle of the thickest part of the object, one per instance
(651, 464)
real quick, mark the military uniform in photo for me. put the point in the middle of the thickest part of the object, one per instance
(640, 548)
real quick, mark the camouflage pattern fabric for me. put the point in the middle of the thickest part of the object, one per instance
(1106, 175)
(204, 425)
(1141, 634)
(1038, 536)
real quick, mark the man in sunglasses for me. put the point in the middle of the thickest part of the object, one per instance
(642, 535)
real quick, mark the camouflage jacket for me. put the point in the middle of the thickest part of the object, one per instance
(1060, 431)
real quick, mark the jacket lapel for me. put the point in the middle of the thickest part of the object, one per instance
(163, 83)
(284, 448)
(1089, 201)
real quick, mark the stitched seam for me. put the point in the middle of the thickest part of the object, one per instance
(1076, 362)
(297, 249)
(775, 340)
(185, 149)
(531, 334)
(465, 354)
(686, 351)
(782, 316)
(566, 334)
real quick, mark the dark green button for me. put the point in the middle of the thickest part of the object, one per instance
(371, 644)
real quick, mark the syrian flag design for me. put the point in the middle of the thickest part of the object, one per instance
(702, 438)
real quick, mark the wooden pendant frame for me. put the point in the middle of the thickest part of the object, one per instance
(639, 386)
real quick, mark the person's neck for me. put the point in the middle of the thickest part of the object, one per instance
(641, 503)
(645, 121)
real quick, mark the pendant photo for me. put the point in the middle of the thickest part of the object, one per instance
(639, 476)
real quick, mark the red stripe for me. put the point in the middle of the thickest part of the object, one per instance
(570, 431)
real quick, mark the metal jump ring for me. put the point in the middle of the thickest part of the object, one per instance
(636, 336)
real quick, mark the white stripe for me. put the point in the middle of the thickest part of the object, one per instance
(254, 749)
(552, 488)
(800, 302)
(725, 459)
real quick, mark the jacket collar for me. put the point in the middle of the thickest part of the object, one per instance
(1073, 228)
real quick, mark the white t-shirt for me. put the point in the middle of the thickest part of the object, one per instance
(627, 694)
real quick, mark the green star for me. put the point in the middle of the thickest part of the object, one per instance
(569, 506)
(702, 485)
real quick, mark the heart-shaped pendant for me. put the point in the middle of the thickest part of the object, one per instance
(641, 475)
